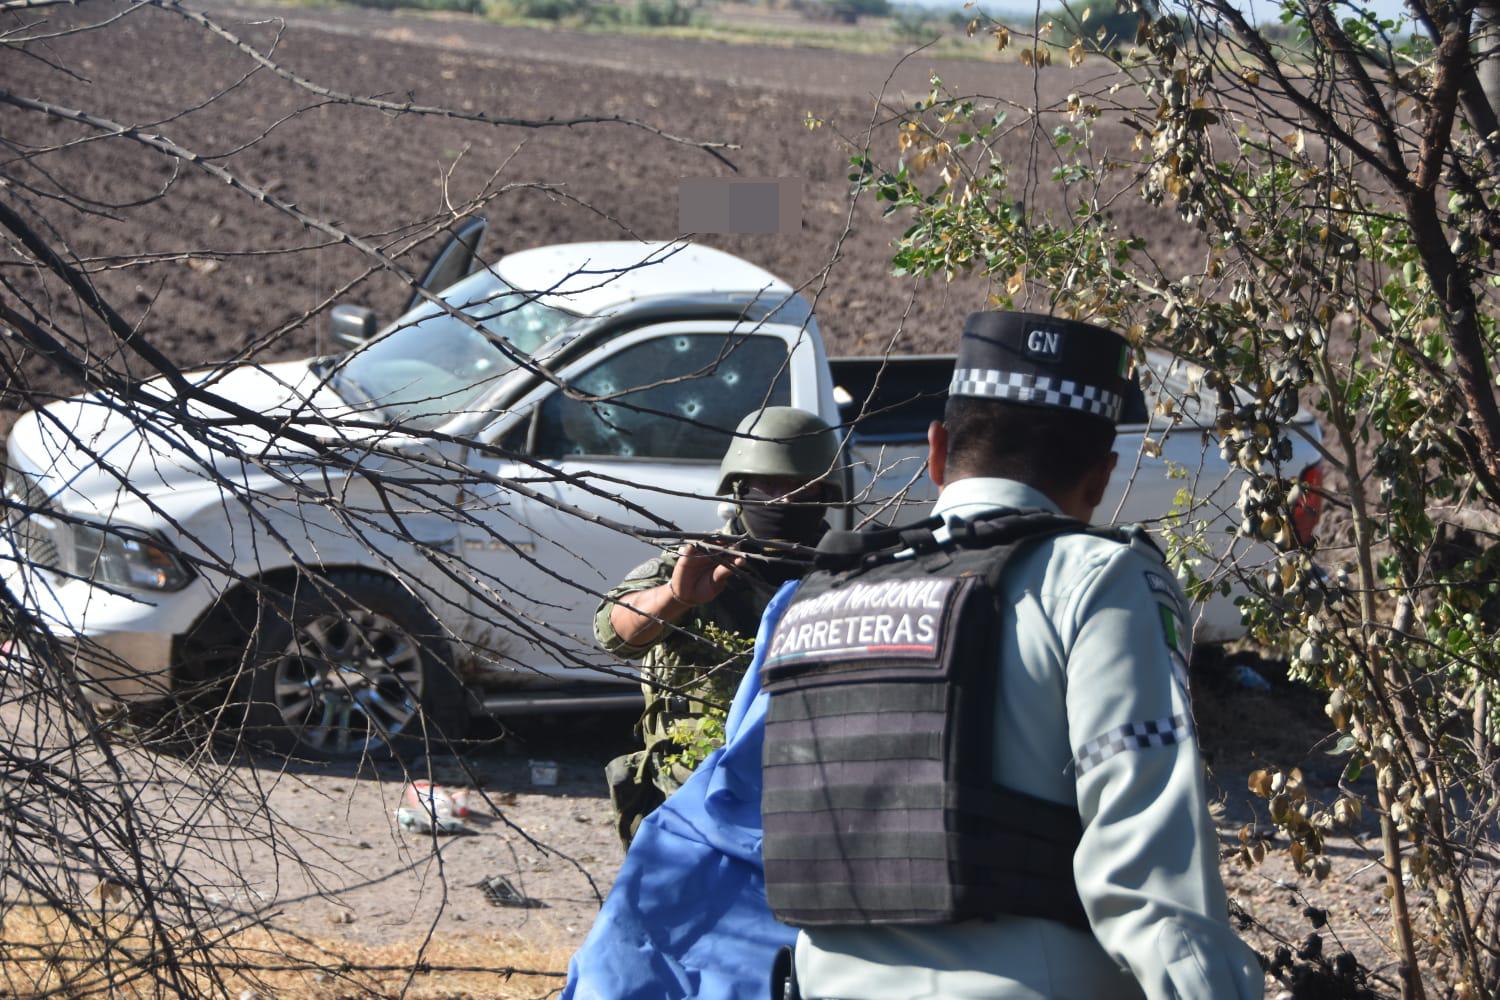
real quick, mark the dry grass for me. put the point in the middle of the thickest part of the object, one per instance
(44, 953)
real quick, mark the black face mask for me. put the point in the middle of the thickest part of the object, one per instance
(801, 523)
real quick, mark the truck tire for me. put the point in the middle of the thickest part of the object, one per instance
(354, 668)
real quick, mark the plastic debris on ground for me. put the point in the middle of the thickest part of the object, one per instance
(544, 773)
(429, 808)
(1245, 676)
(499, 891)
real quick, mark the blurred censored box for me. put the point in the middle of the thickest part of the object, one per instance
(748, 205)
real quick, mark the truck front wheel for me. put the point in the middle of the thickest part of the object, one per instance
(348, 667)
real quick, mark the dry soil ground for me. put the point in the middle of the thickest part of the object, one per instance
(203, 270)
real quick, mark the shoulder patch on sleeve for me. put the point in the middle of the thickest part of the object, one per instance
(1179, 640)
(646, 570)
(1179, 635)
(1172, 626)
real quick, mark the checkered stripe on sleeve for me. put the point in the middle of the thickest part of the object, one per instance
(1133, 736)
(1024, 387)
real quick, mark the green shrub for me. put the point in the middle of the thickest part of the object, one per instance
(846, 11)
(1100, 23)
(550, 10)
(606, 13)
(866, 8)
(910, 24)
(663, 13)
(463, 6)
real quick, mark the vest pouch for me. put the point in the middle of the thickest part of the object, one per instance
(879, 804)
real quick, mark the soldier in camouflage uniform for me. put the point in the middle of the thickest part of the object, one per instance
(781, 469)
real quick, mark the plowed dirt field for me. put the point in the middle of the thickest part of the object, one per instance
(217, 281)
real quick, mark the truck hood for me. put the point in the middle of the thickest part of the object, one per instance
(87, 451)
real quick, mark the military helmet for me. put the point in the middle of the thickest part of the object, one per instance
(783, 441)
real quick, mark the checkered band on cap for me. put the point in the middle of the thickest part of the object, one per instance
(1133, 736)
(1023, 387)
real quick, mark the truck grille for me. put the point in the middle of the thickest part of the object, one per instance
(38, 538)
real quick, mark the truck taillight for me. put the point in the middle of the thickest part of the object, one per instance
(1309, 505)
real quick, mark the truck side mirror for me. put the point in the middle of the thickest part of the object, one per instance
(351, 326)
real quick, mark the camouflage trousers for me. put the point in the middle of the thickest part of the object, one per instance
(640, 781)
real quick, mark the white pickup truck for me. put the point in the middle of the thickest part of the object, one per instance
(478, 471)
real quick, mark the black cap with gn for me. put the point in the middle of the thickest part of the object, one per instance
(1042, 360)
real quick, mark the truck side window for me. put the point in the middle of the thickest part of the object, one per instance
(514, 442)
(677, 396)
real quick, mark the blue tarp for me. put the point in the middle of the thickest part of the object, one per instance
(687, 916)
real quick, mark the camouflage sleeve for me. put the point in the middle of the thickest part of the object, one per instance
(651, 573)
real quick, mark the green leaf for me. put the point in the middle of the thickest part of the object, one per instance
(1345, 744)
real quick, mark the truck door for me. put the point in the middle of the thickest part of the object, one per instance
(496, 540)
(635, 443)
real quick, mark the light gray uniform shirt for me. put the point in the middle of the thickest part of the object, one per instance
(1092, 712)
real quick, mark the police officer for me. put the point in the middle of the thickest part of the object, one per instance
(1069, 852)
(780, 471)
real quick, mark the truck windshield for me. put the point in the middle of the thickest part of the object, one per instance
(428, 368)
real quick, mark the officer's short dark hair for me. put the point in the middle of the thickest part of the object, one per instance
(1047, 447)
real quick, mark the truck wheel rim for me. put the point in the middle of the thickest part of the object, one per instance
(348, 683)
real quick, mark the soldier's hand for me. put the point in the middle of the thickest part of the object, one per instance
(701, 575)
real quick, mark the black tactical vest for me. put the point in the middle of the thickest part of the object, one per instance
(879, 801)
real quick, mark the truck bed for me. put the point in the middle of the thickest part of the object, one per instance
(887, 404)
